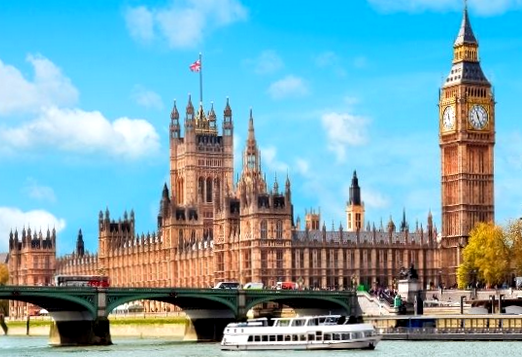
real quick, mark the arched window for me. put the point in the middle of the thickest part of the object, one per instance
(201, 189)
(218, 190)
(209, 189)
(279, 229)
(263, 228)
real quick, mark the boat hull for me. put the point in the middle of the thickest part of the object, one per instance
(366, 344)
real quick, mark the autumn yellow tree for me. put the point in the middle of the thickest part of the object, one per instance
(4, 274)
(514, 241)
(486, 257)
(4, 277)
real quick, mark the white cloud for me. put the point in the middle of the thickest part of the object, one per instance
(302, 166)
(12, 219)
(484, 7)
(267, 62)
(147, 98)
(374, 199)
(330, 60)
(80, 131)
(290, 86)
(183, 23)
(268, 158)
(48, 87)
(140, 23)
(342, 130)
(39, 192)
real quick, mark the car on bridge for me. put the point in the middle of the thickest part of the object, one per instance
(227, 285)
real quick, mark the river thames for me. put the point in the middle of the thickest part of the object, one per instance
(15, 346)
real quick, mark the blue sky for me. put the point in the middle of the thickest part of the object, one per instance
(86, 89)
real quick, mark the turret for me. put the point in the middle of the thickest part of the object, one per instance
(80, 245)
(404, 225)
(175, 128)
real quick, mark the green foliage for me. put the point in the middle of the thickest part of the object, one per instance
(486, 257)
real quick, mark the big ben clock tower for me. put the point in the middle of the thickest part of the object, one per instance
(467, 138)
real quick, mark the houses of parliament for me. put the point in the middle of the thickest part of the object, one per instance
(211, 229)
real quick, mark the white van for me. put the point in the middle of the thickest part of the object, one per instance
(254, 286)
(227, 285)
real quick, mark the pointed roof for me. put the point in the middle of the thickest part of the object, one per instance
(174, 114)
(465, 34)
(466, 67)
(355, 191)
(228, 111)
(251, 134)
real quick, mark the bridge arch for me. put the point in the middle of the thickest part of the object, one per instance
(310, 303)
(186, 299)
(69, 299)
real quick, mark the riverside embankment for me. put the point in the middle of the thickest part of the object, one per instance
(164, 327)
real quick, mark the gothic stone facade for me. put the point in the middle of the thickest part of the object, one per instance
(211, 230)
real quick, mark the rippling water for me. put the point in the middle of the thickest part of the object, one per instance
(15, 346)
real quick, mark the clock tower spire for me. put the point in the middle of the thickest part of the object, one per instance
(467, 139)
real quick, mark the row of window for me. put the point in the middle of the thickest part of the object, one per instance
(336, 336)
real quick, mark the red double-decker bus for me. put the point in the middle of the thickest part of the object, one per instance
(96, 281)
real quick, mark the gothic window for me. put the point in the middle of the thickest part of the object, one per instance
(279, 229)
(279, 259)
(201, 189)
(263, 229)
(264, 260)
(218, 190)
(209, 189)
(251, 161)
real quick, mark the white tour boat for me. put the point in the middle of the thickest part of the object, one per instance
(326, 332)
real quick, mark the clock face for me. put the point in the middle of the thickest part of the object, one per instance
(448, 118)
(478, 117)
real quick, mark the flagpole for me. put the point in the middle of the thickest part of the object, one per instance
(200, 79)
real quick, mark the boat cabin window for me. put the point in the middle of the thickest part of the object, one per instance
(327, 337)
(250, 338)
(272, 338)
(288, 338)
(336, 336)
(298, 322)
(264, 338)
(303, 337)
(346, 336)
(313, 322)
(257, 338)
(282, 322)
(280, 338)
(311, 337)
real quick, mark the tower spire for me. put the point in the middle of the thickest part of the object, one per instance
(465, 34)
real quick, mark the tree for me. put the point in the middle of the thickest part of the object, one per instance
(514, 241)
(4, 277)
(486, 257)
(4, 274)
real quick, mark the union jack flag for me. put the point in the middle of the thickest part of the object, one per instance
(196, 66)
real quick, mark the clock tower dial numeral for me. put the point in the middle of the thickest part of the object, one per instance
(478, 117)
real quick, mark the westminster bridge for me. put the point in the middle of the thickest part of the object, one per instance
(80, 314)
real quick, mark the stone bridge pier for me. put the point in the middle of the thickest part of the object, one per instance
(80, 328)
(81, 333)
